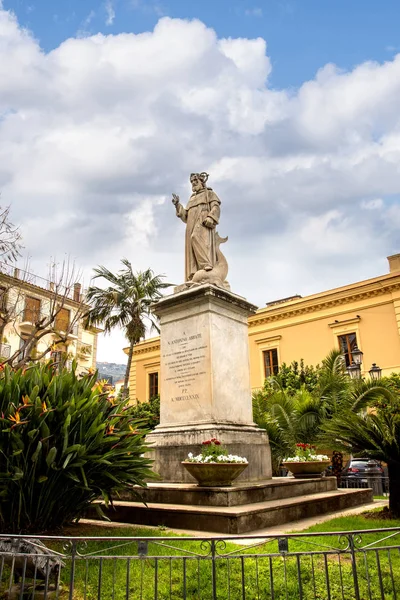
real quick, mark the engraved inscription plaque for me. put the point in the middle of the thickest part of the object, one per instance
(184, 361)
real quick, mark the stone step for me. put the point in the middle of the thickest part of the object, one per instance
(235, 495)
(236, 519)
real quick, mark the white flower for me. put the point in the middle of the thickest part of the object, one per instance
(220, 458)
(311, 457)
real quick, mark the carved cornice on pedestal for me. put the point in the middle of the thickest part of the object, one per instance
(198, 292)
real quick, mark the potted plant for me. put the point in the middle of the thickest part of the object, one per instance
(214, 466)
(306, 463)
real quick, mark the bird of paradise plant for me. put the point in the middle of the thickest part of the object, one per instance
(62, 446)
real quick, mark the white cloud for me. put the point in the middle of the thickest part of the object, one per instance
(392, 48)
(148, 7)
(254, 12)
(374, 204)
(96, 134)
(110, 12)
(84, 30)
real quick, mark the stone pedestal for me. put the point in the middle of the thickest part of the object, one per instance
(205, 382)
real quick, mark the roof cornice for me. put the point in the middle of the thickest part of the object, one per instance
(329, 299)
(146, 349)
(40, 291)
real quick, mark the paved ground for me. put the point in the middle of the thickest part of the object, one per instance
(270, 531)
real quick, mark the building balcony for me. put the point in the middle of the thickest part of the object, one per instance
(84, 352)
(28, 323)
(26, 326)
(71, 333)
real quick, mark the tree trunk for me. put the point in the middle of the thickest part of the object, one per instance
(394, 489)
(128, 369)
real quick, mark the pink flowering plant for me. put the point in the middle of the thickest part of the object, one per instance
(306, 453)
(212, 451)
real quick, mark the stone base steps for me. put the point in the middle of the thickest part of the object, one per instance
(235, 495)
(236, 519)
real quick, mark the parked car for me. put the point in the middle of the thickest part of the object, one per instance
(357, 470)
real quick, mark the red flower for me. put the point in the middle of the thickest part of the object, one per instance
(206, 443)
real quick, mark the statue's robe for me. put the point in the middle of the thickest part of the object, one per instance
(200, 243)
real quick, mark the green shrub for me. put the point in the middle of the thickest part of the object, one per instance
(294, 377)
(63, 444)
(148, 412)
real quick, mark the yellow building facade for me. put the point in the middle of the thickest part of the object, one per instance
(365, 314)
(26, 299)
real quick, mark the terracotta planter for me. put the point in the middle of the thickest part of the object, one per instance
(214, 474)
(307, 469)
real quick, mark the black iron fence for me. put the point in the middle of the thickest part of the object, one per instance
(342, 565)
(380, 485)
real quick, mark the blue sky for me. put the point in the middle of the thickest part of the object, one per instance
(302, 35)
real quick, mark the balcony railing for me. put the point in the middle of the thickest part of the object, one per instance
(85, 351)
(5, 350)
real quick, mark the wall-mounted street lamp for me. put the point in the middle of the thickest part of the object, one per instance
(357, 355)
(354, 369)
(375, 372)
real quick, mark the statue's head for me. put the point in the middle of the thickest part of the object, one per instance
(198, 181)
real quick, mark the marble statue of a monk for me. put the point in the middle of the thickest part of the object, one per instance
(203, 259)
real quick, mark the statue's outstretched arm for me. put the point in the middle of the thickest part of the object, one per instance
(181, 212)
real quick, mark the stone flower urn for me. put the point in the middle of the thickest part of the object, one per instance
(306, 469)
(214, 474)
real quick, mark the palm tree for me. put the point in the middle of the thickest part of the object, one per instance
(125, 303)
(373, 435)
(288, 419)
(298, 416)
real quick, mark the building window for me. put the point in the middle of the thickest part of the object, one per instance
(56, 356)
(153, 385)
(271, 365)
(23, 346)
(32, 310)
(3, 299)
(60, 359)
(347, 343)
(63, 319)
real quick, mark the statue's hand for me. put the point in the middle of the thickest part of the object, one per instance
(209, 222)
(175, 199)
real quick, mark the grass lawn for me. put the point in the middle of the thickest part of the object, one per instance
(251, 572)
(354, 523)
